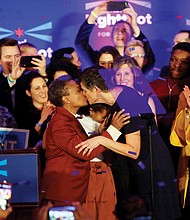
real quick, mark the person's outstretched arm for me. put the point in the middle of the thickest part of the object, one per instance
(82, 39)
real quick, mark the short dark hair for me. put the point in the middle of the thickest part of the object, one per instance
(96, 107)
(63, 54)
(91, 77)
(7, 42)
(182, 46)
(108, 50)
(29, 78)
(58, 89)
(61, 65)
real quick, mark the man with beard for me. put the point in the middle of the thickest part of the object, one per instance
(168, 90)
(11, 70)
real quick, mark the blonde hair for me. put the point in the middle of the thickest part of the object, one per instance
(131, 62)
(24, 46)
(133, 43)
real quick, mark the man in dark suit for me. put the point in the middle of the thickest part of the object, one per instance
(11, 70)
(66, 174)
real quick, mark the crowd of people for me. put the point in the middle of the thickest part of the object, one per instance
(111, 142)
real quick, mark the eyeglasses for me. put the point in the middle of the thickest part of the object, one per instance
(139, 55)
(183, 62)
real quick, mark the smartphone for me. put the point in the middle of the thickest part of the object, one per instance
(62, 212)
(5, 194)
(117, 6)
(25, 61)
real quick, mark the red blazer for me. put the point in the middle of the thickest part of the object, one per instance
(66, 174)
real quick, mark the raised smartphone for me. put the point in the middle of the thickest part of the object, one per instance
(5, 194)
(117, 6)
(61, 212)
(25, 61)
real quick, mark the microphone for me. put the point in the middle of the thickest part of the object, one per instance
(147, 116)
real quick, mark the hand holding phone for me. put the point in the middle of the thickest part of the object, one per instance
(25, 61)
(5, 194)
(117, 6)
(62, 212)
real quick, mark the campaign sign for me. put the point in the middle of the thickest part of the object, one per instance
(13, 138)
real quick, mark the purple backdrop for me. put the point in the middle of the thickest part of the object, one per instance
(51, 24)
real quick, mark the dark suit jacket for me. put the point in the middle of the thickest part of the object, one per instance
(5, 93)
(66, 174)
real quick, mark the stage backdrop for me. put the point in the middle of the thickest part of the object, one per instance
(52, 24)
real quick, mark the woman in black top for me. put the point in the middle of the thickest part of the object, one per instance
(36, 109)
